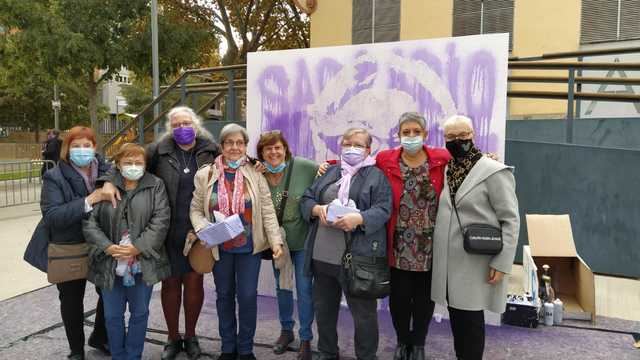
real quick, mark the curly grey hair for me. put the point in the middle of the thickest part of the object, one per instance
(197, 122)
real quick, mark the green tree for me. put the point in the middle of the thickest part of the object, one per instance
(90, 40)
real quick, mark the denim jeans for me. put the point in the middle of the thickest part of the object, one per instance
(127, 345)
(236, 275)
(304, 297)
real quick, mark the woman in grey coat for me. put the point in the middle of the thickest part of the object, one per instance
(127, 253)
(484, 193)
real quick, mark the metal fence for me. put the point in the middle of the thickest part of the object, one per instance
(21, 181)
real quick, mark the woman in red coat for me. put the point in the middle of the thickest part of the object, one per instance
(416, 174)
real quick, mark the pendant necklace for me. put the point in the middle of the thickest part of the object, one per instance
(186, 169)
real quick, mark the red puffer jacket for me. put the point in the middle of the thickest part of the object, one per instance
(389, 162)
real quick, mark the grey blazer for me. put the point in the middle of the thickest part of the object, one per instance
(487, 196)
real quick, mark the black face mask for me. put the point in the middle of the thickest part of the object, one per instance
(459, 148)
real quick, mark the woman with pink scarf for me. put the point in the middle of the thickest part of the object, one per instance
(358, 184)
(230, 186)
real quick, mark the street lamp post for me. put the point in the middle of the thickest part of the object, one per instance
(154, 64)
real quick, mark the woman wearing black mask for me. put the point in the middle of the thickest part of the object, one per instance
(483, 192)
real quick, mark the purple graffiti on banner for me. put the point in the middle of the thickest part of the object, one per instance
(298, 133)
(479, 93)
(274, 85)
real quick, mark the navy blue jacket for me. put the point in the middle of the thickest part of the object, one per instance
(371, 192)
(62, 202)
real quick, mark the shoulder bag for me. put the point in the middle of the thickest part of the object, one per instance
(367, 277)
(268, 254)
(482, 239)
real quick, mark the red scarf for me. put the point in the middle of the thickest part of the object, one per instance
(236, 205)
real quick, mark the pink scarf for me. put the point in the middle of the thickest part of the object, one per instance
(237, 200)
(348, 172)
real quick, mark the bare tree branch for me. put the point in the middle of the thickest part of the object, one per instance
(260, 29)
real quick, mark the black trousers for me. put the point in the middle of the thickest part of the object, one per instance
(411, 305)
(327, 293)
(468, 333)
(71, 295)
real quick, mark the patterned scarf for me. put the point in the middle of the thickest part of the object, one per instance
(348, 172)
(458, 169)
(237, 199)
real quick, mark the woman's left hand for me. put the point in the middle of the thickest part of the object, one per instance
(259, 166)
(277, 251)
(349, 222)
(126, 251)
(495, 276)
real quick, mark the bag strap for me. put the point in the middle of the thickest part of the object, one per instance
(455, 208)
(285, 194)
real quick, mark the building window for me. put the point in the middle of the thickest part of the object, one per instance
(384, 26)
(609, 20)
(473, 17)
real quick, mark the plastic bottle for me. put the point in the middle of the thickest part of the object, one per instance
(558, 311)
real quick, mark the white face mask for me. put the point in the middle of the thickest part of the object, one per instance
(132, 172)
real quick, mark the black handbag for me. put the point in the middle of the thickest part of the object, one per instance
(268, 254)
(482, 239)
(367, 277)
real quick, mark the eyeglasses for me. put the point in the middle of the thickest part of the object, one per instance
(460, 136)
(182, 124)
(237, 143)
(359, 146)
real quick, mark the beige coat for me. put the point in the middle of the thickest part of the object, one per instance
(265, 229)
(487, 196)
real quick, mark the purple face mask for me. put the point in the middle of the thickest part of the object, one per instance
(353, 155)
(184, 135)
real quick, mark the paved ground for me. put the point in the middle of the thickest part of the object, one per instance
(31, 329)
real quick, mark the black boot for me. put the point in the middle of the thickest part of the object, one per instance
(417, 353)
(402, 352)
(282, 344)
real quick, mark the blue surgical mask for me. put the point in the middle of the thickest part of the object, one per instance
(411, 144)
(82, 157)
(275, 169)
(234, 164)
(132, 172)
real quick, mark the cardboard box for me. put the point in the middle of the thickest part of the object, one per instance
(551, 242)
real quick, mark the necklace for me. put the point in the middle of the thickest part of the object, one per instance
(186, 169)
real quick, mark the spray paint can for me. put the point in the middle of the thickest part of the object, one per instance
(548, 314)
(558, 312)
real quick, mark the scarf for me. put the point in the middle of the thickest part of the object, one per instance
(348, 172)
(236, 205)
(458, 169)
(89, 181)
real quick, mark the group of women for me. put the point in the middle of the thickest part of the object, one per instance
(141, 219)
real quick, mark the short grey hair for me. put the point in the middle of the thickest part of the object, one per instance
(354, 131)
(457, 120)
(231, 129)
(197, 121)
(412, 116)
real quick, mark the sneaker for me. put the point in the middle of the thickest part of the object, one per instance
(192, 346)
(171, 350)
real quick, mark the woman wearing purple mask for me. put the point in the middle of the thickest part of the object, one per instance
(355, 182)
(175, 158)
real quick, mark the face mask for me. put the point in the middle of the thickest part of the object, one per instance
(184, 135)
(132, 172)
(82, 157)
(411, 144)
(275, 169)
(459, 148)
(353, 155)
(234, 164)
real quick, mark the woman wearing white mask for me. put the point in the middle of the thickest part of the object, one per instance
(127, 250)
(175, 157)
(232, 186)
(68, 196)
(416, 174)
(354, 182)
